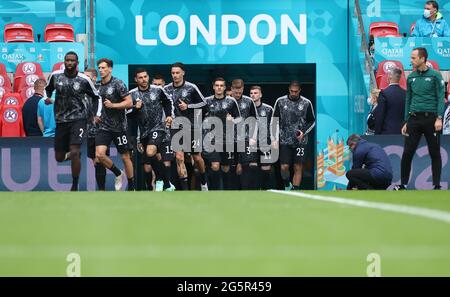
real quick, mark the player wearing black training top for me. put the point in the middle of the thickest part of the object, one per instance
(95, 109)
(225, 109)
(248, 159)
(265, 112)
(188, 102)
(296, 119)
(71, 111)
(113, 123)
(154, 112)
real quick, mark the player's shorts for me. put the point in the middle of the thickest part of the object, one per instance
(165, 149)
(71, 133)
(91, 148)
(224, 158)
(154, 138)
(120, 140)
(248, 156)
(196, 141)
(291, 154)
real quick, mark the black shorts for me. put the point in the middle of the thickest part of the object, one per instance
(154, 138)
(248, 156)
(70, 133)
(196, 141)
(91, 148)
(265, 158)
(291, 154)
(165, 149)
(120, 140)
(224, 158)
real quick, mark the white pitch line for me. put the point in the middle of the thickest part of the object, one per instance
(434, 214)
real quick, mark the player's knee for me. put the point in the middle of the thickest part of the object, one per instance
(215, 166)
(151, 151)
(60, 157)
(284, 167)
(179, 158)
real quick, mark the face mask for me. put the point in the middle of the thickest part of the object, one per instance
(427, 13)
(369, 100)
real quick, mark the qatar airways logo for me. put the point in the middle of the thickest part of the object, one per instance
(286, 28)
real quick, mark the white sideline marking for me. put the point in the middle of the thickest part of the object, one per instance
(438, 215)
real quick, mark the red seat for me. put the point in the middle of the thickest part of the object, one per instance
(58, 66)
(59, 32)
(385, 66)
(5, 82)
(26, 93)
(24, 69)
(18, 32)
(27, 81)
(11, 99)
(432, 64)
(384, 29)
(383, 81)
(11, 123)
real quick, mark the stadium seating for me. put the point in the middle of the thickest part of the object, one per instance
(18, 32)
(384, 67)
(59, 32)
(384, 29)
(26, 93)
(5, 82)
(58, 66)
(24, 69)
(11, 99)
(27, 81)
(11, 123)
(432, 64)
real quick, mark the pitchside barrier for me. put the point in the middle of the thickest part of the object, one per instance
(28, 164)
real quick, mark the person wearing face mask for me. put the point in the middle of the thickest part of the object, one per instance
(372, 100)
(371, 168)
(432, 24)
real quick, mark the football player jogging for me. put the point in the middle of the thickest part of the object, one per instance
(264, 116)
(295, 117)
(155, 112)
(71, 111)
(113, 123)
(188, 102)
(226, 109)
(95, 109)
(247, 166)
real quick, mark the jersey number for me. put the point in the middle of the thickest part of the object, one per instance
(81, 132)
(300, 151)
(122, 140)
(155, 135)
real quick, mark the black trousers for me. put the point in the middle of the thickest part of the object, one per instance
(363, 180)
(418, 125)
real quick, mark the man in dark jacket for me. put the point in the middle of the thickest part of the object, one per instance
(29, 110)
(390, 111)
(371, 166)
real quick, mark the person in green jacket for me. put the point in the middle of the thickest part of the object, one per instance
(424, 108)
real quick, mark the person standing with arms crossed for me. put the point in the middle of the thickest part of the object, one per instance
(423, 115)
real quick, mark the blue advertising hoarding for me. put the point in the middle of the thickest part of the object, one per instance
(46, 54)
(28, 164)
(400, 49)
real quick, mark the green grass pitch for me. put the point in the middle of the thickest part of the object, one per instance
(220, 234)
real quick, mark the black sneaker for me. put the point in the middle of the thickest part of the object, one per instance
(437, 187)
(399, 188)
